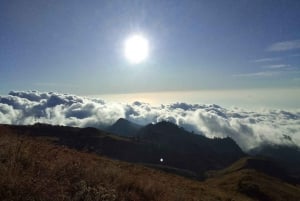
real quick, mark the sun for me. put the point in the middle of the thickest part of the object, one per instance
(136, 48)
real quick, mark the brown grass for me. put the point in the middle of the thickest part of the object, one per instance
(36, 170)
(32, 169)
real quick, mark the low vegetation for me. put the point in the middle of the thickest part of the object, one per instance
(37, 170)
(34, 169)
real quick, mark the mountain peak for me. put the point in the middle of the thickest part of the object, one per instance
(123, 127)
(173, 139)
(163, 130)
(165, 126)
(122, 120)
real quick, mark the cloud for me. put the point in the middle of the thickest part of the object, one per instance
(271, 71)
(259, 74)
(276, 66)
(267, 60)
(284, 46)
(248, 128)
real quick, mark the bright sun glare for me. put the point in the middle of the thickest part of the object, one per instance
(136, 48)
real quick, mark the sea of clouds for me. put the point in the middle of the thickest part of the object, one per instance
(248, 128)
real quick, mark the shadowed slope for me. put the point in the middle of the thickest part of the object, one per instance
(287, 156)
(179, 148)
(124, 128)
(256, 178)
(177, 144)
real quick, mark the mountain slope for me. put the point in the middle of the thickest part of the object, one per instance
(257, 178)
(34, 168)
(287, 156)
(177, 147)
(177, 144)
(262, 165)
(124, 128)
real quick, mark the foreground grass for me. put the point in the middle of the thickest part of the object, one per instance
(37, 170)
(32, 169)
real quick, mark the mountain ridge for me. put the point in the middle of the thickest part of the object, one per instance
(124, 127)
(197, 156)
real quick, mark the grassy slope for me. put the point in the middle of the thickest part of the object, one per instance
(256, 185)
(239, 178)
(178, 147)
(35, 169)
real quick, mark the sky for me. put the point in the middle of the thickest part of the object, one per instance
(227, 47)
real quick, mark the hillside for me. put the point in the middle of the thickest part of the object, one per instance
(262, 165)
(257, 178)
(177, 144)
(177, 147)
(33, 168)
(287, 156)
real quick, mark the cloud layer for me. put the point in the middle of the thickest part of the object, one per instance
(285, 45)
(248, 128)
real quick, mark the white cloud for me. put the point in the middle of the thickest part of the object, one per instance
(271, 71)
(259, 74)
(285, 45)
(276, 66)
(247, 128)
(267, 59)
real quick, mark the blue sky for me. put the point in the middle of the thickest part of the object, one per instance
(77, 46)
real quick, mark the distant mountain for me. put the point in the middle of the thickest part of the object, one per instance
(186, 150)
(124, 128)
(172, 136)
(175, 146)
(287, 156)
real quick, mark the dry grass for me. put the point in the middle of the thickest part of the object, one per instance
(36, 170)
(256, 186)
(33, 169)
